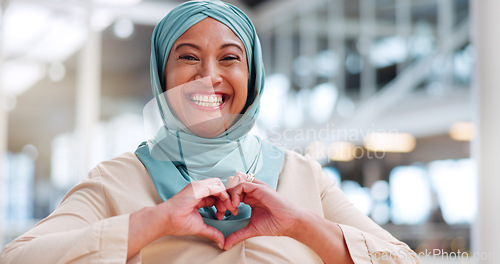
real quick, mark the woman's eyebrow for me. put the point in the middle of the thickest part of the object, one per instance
(188, 45)
(198, 47)
(232, 45)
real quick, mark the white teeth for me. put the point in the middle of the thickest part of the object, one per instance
(207, 100)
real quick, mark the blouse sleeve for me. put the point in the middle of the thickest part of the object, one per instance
(80, 230)
(367, 242)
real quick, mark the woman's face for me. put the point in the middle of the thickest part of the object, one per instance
(207, 77)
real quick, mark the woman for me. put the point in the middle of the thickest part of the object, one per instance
(203, 190)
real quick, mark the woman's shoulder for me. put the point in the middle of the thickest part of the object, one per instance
(124, 159)
(300, 167)
(125, 175)
(302, 175)
(123, 165)
(293, 158)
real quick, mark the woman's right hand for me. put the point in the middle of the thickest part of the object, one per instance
(179, 215)
(181, 211)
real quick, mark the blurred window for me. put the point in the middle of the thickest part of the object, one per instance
(455, 186)
(410, 195)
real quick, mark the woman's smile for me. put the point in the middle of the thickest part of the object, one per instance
(207, 101)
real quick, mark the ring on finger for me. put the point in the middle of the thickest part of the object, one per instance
(250, 177)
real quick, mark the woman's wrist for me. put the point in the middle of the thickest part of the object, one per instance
(302, 224)
(159, 219)
(322, 236)
(142, 230)
(151, 221)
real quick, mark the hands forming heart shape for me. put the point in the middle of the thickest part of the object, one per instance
(272, 215)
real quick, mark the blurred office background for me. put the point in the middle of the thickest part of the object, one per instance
(379, 91)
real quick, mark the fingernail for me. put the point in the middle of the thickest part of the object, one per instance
(220, 246)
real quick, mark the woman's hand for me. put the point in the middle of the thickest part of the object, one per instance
(179, 215)
(181, 211)
(271, 214)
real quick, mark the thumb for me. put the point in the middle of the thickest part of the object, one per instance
(213, 234)
(238, 236)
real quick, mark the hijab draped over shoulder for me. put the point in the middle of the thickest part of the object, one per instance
(176, 156)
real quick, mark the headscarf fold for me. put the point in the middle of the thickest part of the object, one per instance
(176, 156)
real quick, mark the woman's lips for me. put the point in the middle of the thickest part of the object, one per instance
(208, 101)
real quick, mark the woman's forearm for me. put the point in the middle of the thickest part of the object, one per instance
(148, 225)
(143, 229)
(323, 237)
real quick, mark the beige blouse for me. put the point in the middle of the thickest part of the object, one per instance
(91, 224)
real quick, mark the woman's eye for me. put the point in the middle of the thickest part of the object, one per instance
(229, 58)
(188, 57)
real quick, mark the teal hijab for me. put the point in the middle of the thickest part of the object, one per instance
(176, 156)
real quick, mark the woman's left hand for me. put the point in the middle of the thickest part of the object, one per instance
(272, 215)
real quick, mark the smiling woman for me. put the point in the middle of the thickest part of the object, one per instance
(203, 190)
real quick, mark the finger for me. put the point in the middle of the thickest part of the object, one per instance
(230, 182)
(262, 196)
(213, 234)
(233, 209)
(238, 178)
(206, 202)
(220, 214)
(235, 194)
(242, 190)
(214, 188)
(223, 197)
(256, 181)
(230, 205)
(208, 187)
(242, 177)
(221, 209)
(254, 194)
(252, 201)
(224, 202)
(238, 236)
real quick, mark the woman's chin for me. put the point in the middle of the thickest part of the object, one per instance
(210, 128)
(207, 134)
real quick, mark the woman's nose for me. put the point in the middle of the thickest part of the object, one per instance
(210, 72)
